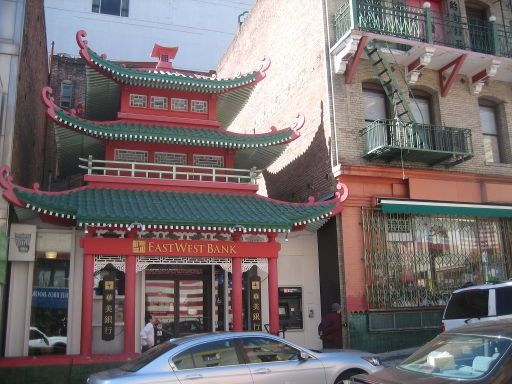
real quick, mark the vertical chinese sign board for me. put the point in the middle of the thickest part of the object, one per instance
(255, 301)
(108, 308)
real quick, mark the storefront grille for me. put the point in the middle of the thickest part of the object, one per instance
(417, 261)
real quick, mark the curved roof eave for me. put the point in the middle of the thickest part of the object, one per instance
(166, 79)
(104, 207)
(161, 133)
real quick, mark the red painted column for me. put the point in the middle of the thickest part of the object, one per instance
(87, 299)
(273, 292)
(273, 296)
(236, 294)
(236, 290)
(129, 304)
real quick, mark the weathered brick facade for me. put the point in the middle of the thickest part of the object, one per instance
(301, 79)
(28, 145)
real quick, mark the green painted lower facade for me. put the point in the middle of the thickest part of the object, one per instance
(390, 331)
(52, 374)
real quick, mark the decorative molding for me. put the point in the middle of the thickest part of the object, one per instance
(478, 80)
(262, 264)
(342, 58)
(100, 262)
(144, 261)
(415, 67)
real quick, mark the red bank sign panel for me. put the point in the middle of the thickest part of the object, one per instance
(179, 248)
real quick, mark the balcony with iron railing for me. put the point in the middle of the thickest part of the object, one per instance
(395, 140)
(423, 25)
(168, 172)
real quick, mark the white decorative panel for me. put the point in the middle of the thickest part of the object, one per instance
(261, 263)
(170, 158)
(209, 161)
(131, 155)
(101, 262)
(144, 261)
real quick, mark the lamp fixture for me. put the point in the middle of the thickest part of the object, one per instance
(50, 254)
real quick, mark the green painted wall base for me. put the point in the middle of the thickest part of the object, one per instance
(361, 337)
(52, 374)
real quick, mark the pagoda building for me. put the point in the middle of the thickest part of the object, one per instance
(170, 217)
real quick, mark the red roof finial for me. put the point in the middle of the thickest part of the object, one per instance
(164, 56)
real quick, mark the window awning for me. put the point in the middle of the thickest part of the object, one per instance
(422, 207)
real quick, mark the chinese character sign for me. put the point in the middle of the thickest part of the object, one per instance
(255, 302)
(108, 308)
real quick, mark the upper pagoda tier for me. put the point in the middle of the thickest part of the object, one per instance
(170, 78)
(252, 150)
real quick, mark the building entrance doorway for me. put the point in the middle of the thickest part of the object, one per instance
(180, 298)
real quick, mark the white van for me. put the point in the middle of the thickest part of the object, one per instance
(478, 303)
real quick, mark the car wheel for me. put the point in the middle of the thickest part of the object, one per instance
(344, 378)
(59, 349)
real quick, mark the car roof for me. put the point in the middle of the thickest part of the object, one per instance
(493, 328)
(485, 286)
(217, 335)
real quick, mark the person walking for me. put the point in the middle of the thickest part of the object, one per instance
(329, 329)
(147, 335)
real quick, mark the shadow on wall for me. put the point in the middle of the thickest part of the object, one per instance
(310, 174)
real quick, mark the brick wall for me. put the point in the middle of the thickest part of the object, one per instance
(293, 38)
(72, 70)
(458, 109)
(29, 122)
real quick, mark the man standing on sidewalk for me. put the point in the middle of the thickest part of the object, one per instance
(329, 329)
(147, 335)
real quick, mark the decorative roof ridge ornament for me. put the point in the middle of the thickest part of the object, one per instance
(262, 70)
(164, 56)
(48, 100)
(83, 44)
(296, 125)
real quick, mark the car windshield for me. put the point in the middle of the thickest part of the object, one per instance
(147, 357)
(458, 356)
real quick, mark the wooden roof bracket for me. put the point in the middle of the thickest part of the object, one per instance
(457, 65)
(351, 70)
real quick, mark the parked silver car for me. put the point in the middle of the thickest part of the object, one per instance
(238, 358)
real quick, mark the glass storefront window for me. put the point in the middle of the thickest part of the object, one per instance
(50, 296)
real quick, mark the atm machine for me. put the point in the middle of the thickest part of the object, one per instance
(290, 308)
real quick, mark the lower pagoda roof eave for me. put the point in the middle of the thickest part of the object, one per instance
(103, 207)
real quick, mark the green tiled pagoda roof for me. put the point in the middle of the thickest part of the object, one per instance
(174, 210)
(166, 79)
(171, 134)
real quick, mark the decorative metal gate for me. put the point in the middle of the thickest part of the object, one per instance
(416, 261)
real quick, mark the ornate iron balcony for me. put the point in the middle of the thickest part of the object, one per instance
(169, 171)
(393, 140)
(421, 24)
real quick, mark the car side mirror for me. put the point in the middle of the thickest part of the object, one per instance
(304, 356)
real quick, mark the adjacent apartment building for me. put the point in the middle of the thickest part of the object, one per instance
(409, 104)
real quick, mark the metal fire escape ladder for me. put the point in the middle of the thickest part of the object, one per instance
(388, 81)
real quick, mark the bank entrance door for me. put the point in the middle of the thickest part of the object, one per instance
(180, 298)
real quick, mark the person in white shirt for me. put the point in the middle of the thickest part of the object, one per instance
(147, 335)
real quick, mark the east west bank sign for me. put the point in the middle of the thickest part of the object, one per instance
(179, 248)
